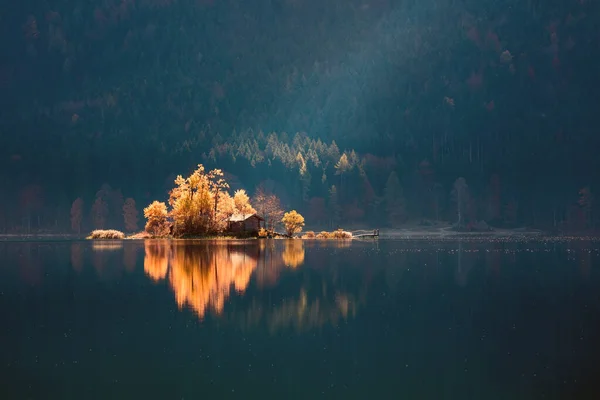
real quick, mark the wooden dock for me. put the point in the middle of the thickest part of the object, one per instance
(366, 234)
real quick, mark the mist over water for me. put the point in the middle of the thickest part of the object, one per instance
(299, 319)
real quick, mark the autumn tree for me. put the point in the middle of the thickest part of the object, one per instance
(130, 215)
(192, 203)
(459, 195)
(341, 167)
(225, 210)
(218, 185)
(394, 200)
(157, 219)
(77, 214)
(201, 204)
(333, 152)
(268, 206)
(242, 203)
(293, 222)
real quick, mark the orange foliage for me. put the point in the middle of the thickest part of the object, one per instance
(156, 214)
(293, 222)
(156, 261)
(200, 203)
(242, 203)
(293, 253)
(201, 276)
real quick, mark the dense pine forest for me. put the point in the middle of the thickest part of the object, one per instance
(355, 113)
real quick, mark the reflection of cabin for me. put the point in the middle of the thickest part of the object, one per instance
(245, 223)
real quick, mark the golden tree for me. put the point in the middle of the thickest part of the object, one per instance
(242, 203)
(130, 215)
(191, 203)
(200, 203)
(293, 222)
(225, 209)
(156, 214)
(218, 187)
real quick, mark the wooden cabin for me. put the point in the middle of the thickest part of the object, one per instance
(245, 223)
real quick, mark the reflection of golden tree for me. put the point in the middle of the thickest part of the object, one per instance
(202, 276)
(293, 253)
(156, 261)
(301, 314)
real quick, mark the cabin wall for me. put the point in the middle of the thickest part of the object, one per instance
(236, 227)
(252, 224)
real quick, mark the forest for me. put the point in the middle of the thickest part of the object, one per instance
(355, 113)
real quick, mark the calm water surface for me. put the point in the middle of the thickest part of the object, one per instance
(300, 320)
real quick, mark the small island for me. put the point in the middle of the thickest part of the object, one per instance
(201, 207)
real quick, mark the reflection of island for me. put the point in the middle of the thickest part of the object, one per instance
(299, 314)
(203, 273)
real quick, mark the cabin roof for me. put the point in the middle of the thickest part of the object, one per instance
(244, 217)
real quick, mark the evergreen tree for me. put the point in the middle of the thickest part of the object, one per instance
(394, 200)
(334, 207)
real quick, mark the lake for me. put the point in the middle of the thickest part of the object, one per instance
(291, 319)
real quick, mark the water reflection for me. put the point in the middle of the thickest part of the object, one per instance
(300, 314)
(77, 256)
(156, 261)
(203, 274)
(487, 320)
(243, 281)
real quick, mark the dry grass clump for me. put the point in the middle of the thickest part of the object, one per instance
(339, 234)
(106, 234)
(309, 235)
(140, 235)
